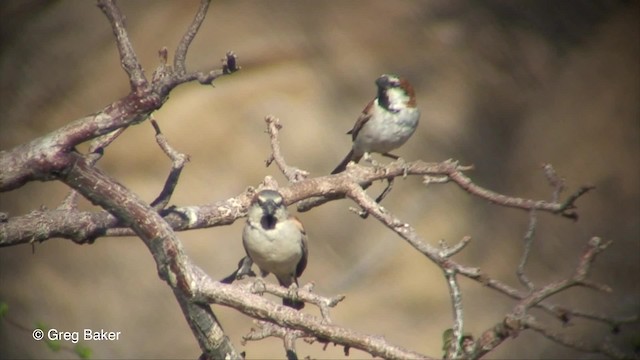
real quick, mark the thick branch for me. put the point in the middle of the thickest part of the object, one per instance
(240, 298)
(53, 156)
(318, 190)
(173, 265)
(175, 268)
(131, 211)
(86, 226)
(42, 158)
(351, 187)
(336, 186)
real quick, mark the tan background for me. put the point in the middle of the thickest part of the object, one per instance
(502, 85)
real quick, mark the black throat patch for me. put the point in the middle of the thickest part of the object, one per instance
(268, 222)
(383, 100)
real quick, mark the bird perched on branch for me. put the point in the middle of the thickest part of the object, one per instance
(386, 123)
(276, 242)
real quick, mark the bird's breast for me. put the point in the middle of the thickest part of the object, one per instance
(386, 131)
(275, 250)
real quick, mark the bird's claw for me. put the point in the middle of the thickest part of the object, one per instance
(367, 157)
(292, 292)
(258, 286)
(405, 168)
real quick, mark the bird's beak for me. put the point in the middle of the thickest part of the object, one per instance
(269, 208)
(382, 82)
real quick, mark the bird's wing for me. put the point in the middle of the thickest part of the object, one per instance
(302, 264)
(362, 119)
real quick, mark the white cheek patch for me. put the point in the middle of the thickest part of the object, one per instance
(397, 98)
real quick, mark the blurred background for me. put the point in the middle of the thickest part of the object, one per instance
(503, 85)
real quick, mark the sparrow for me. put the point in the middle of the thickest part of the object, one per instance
(386, 123)
(275, 241)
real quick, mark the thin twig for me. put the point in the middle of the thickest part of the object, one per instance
(293, 174)
(528, 240)
(579, 278)
(183, 47)
(229, 66)
(519, 319)
(408, 233)
(455, 172)
(447, 251)
(455, 350)
(178, 160)
(554, 180)
(604, 348)
(266, 329)
(128, 58)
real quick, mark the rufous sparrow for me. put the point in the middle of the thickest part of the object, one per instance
(386, 123)
(276, 241)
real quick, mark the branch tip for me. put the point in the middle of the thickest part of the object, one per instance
(230, 63)
(163, 55)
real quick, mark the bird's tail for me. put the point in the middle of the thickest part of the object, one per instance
(343, 165)
(293, 303)
(296, 304)
(244, 268)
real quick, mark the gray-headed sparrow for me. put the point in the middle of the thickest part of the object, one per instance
(386, 123)
(276, 241)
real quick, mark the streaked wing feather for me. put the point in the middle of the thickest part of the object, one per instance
(362, 119)
(302, 264)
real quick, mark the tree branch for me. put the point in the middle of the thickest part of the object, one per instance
(128, 58)
(181, 51)
(53, 157)
(528, 240)
(240, 298)
(520, 320)
(173, 265)
(292, 174)
(603, 348)
(178, 160)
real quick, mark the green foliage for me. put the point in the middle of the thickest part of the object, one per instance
(4, 309)
(447, 339)
(54, 345)
(83, 352)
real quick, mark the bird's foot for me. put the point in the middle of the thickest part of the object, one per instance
(292, 292)
(292, 299)
(367, 157)
(258, 286)
(405, 167)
